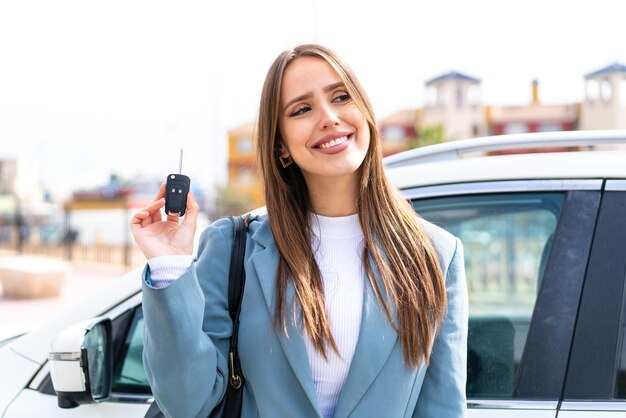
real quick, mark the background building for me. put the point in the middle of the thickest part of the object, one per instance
(8, 173)
(605, 98)
(535, 117)
(399, 131)
(243, 190)
(453, 100)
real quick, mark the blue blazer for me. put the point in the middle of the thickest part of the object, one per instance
(187, 329)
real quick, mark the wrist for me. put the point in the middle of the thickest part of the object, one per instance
(169, 267)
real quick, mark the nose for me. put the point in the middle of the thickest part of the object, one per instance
(328, 118)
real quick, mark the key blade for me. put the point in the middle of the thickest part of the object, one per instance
(180, 162)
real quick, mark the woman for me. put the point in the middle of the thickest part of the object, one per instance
(352, 305)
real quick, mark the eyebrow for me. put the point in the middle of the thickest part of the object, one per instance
(305, 96)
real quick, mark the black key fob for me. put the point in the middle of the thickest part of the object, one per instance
(176, 189)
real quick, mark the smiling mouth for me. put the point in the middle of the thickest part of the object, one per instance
(334, 142)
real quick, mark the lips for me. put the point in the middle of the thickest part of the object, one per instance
(333, 140)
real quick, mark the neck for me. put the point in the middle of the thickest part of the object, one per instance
(333, 196)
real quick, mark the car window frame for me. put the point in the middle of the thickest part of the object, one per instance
(601, 303)
(531, 386)
(558, 299)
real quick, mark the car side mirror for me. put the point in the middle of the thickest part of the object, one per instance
(80, 363)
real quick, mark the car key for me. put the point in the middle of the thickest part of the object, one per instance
(176, 188)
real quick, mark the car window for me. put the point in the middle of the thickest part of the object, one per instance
(129, 375)
(506, 238)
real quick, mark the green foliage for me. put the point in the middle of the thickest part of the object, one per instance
(429, 135)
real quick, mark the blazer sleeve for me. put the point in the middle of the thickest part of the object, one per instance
(443, 390)
(187, 329)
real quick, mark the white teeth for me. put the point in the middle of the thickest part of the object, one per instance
(334, 142)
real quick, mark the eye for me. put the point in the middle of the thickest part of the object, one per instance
(300, 110)
(340, 97)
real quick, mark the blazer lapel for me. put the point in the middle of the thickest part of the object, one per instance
(374, 345)
(265, 260)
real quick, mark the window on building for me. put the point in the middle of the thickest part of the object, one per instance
(393, 134)
(606, 90)
(592, 90)
(473, 95)
(549, 127)
(441, 96)
(515, 128)
(244, 144)
(431, 96)
(459, 97)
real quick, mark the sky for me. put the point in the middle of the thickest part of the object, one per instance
(89, 88)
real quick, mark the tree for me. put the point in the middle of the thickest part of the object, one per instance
(429, 135)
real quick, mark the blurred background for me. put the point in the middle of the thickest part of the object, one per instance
(97, 98)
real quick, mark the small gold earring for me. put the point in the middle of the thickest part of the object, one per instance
(286, 161)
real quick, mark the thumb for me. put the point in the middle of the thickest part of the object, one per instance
(191, 216)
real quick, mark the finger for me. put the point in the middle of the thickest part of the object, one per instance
(192, 211)
(146, 222)
(152, 211)
(154, 205)
(173, 217)
(140, 220)
(160, 193)
(139, 216)
(156, 213)
(135, 227)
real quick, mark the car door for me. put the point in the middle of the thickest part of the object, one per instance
(596, 378)
(526, 249)
(131, 395)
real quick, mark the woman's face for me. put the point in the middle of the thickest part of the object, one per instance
(323, 130)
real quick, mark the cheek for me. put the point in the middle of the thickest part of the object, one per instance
(358, 119)
(365, 133)
(286, 135)
(294, 134)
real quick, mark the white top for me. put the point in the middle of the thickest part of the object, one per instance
(338, 249)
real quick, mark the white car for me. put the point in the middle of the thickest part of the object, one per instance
(545, 245)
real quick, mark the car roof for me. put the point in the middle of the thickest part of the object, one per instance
(452, 150)
(592, 155)
(571, 165)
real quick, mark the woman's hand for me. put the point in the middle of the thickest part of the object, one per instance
(157, 237)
